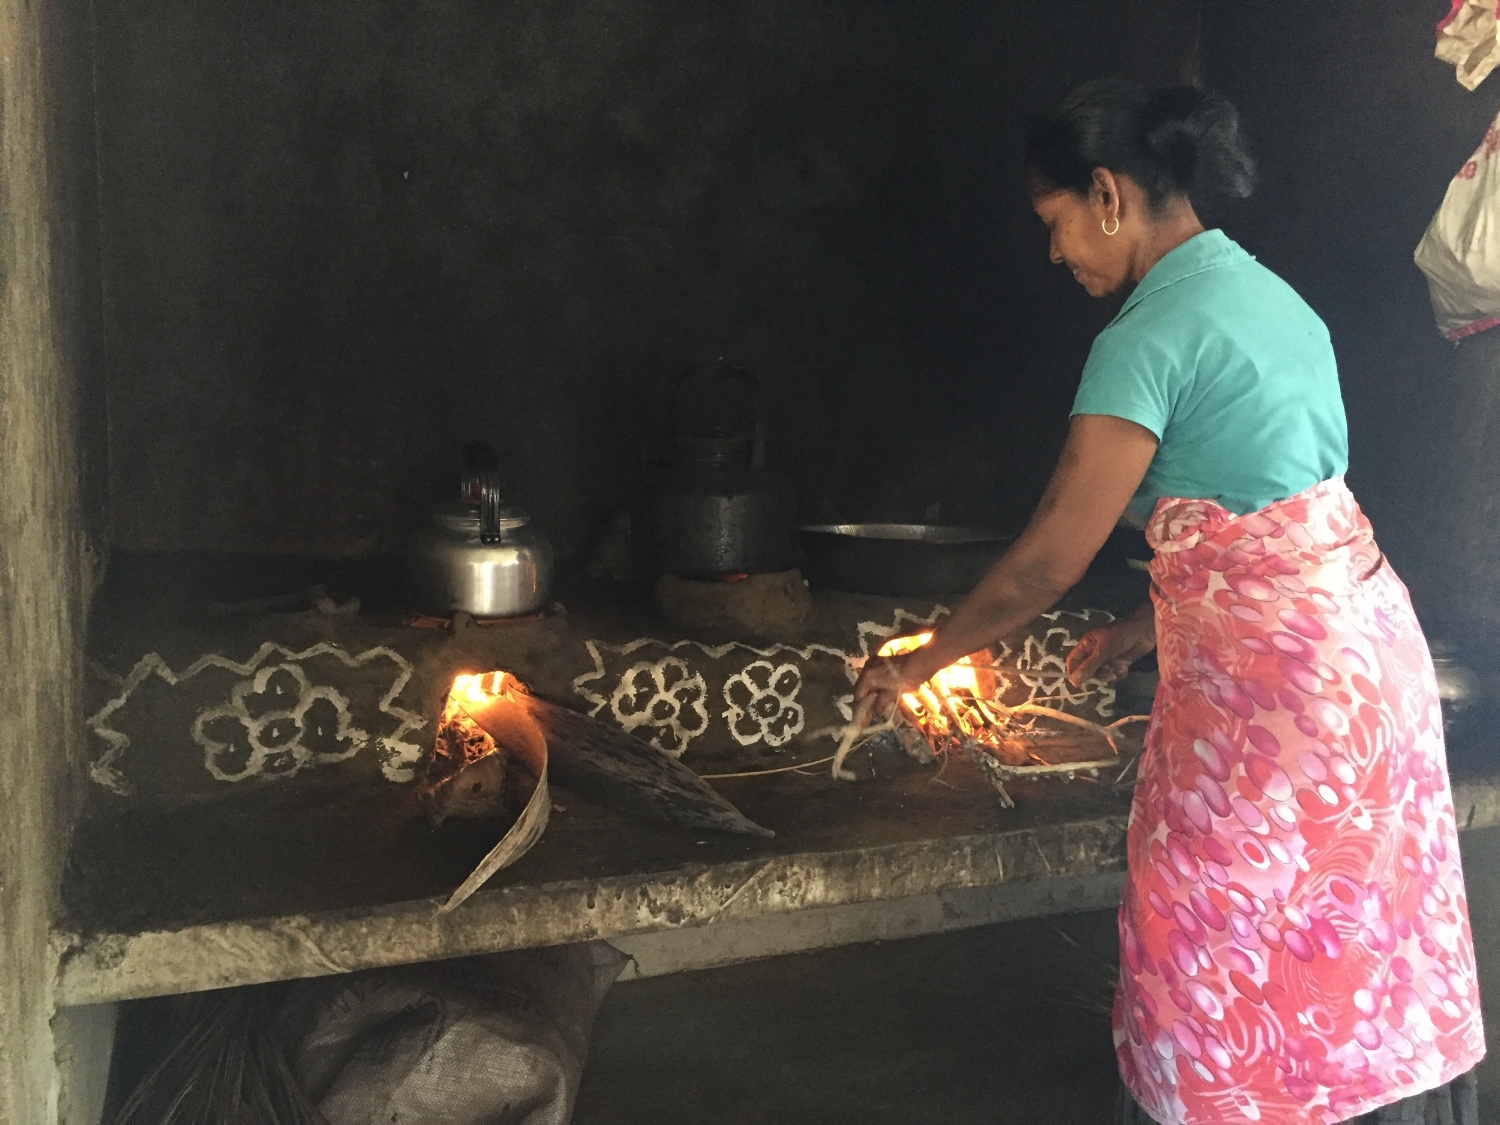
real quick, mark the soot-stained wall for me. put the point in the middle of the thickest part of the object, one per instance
(341, 238)
(1359, 130)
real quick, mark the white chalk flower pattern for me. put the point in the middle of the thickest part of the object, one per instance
(667, 697)
(763, 706)
(275, 724)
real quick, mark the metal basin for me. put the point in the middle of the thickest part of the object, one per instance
(900, 559)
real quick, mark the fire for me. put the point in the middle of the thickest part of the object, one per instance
(461, 741)
(960, 709)
(464, 749)
(484, 687)
(958, 703)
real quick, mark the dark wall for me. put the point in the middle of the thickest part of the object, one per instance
(1359, 131)
(341, 238)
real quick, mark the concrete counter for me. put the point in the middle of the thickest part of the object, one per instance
(188, 873)
(303, 885)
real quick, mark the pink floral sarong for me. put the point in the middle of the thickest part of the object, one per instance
(1294, 937)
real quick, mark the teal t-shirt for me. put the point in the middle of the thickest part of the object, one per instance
(1234, 374)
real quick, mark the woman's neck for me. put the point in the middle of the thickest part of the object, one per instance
(1163, 235)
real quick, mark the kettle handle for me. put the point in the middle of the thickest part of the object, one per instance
(479, 457)
(488, 481)
(757, 397)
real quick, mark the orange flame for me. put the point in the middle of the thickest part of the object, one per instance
(958, 702)
(479, 688)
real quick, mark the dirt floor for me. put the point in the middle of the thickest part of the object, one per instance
(1004, 1023)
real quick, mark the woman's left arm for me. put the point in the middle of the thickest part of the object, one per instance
(1101, 466)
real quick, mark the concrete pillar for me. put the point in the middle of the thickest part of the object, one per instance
(43, 585)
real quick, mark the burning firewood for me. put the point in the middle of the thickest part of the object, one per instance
(959, 710)
(470, 774)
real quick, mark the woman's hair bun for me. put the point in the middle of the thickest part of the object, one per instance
(1179, 141)
(1195, 135)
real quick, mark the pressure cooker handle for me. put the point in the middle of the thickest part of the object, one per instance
(757, 398)
(489, 505)
(479, 456)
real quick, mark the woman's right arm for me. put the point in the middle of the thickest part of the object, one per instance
(1101, 466)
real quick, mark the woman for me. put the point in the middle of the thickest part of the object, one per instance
(1295, 944)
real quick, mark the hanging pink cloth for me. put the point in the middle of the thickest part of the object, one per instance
(1294, 938)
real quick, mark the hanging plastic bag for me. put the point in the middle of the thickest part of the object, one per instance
(1469, 39)
(1460, 253)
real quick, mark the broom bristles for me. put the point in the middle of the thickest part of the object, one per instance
(227, 1069)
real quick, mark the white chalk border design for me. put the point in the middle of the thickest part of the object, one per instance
(688, 719)
(399, 756)
(676, 739)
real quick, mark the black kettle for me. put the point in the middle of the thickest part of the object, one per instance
(712, 508)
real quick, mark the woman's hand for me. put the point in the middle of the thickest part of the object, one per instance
(883, 681)
(1107, 654)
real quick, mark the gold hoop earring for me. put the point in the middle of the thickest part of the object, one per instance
(1106, 230)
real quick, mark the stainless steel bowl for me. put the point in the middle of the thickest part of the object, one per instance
(900, 559)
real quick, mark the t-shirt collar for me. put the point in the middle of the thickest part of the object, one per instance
(1206, 251)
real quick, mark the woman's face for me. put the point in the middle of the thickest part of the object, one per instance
(1100, 262)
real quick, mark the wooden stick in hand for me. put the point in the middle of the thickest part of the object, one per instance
(852, 732)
